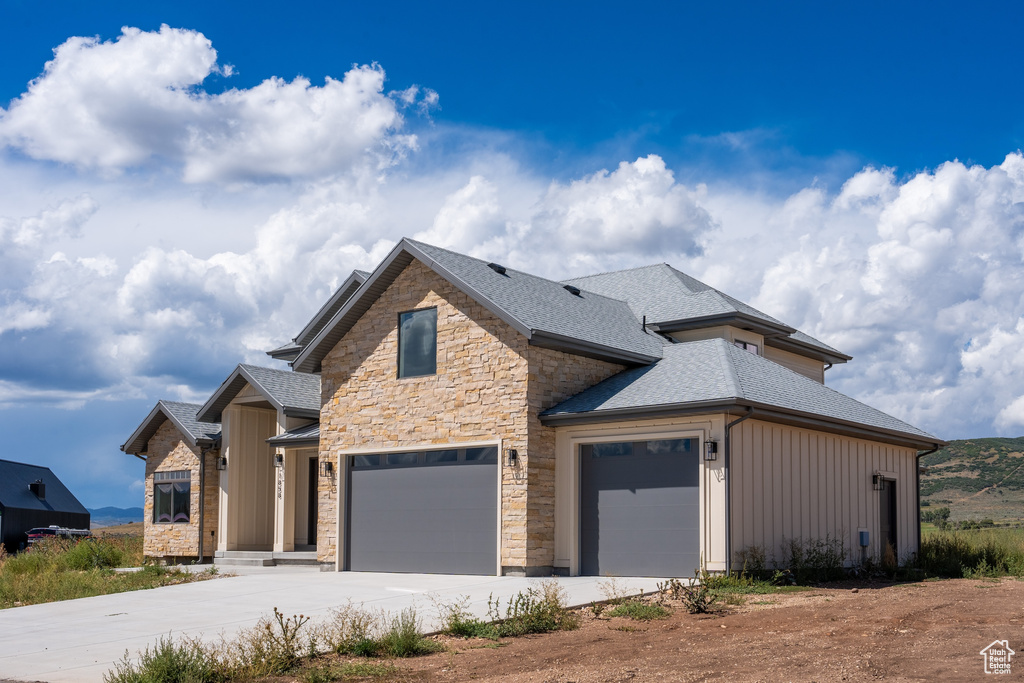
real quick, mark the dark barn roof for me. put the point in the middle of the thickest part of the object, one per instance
(15, 478)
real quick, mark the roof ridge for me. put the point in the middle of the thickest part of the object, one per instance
(731, 376)
(513, 270)
(620, 270)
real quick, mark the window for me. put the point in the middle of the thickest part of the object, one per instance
(747, 346)
(171, 497)
(417, 343)
(638, 449)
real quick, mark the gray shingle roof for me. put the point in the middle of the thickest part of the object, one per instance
(666, 295)
(295, 393)
(15, 478)
(306, 435)
(540, 309)
(183, 416)
(716, 373)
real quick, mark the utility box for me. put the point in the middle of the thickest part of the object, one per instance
(865, 539)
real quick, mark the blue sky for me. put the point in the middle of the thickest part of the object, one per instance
(174, 201)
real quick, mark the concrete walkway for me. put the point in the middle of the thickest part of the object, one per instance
(79, 640)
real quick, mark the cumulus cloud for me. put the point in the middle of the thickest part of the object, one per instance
(138, 100)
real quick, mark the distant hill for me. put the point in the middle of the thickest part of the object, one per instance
(111, 516)
(976, 478)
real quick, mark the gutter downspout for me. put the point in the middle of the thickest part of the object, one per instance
(917, 481)
(728, 491)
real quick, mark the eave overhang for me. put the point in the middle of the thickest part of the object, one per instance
(228, 390)
(136, 443)
(741, 320)
(736, 406)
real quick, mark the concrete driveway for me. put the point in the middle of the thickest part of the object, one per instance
(79, 640)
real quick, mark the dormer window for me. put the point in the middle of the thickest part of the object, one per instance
(417, 343)
(747, 346)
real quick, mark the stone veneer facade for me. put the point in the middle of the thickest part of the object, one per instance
(490, 384)
(168, 452)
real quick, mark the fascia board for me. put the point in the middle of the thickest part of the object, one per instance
(354, 277)
(759, 325)
(560, 342)
(807, 350)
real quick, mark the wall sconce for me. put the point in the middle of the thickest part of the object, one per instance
(511, 457)
(711, 450)
(327, 469)
(222, 463)
(278, 460)
(877, 483)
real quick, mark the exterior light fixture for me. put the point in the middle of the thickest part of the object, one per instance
(711, 449)
(877, 483)
(327, 468)
(512, 457)
(222, 463)
(278, 460)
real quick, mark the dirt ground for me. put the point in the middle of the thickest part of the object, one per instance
(930, 631)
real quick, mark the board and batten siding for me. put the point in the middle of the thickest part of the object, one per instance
(792, 483)
(247, 486)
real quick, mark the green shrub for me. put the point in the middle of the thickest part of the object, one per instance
(457, 621)
(538, 610)
(815, 560)
(404, 638)
(339, 672)
(350, 631)
(167, 662)
(640, 611)
(698, 597)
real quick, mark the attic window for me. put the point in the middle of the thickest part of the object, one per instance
(747, 346)
(575, 291)
(497, 268)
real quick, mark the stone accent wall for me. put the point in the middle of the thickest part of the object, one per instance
(554, 376)
(167, 451)
(490, 384)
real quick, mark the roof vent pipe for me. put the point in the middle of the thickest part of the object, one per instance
(39, 488)
(497, 268)
(575, 291)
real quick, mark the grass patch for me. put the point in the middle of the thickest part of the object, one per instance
(977, 553)
(639, 611)
(325, 673)
(64, 569)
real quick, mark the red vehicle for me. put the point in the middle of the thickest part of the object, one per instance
(41, 532)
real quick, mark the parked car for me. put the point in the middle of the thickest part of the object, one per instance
(53, 531)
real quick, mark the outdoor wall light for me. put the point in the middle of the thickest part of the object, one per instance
(327, 468)
(877, 483)
(222, 463)
(711, 450)
(512, 457)
(278, 460)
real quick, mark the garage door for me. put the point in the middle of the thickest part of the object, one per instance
(427, 511)
(640, 508)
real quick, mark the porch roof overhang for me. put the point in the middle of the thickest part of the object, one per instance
(298, 437)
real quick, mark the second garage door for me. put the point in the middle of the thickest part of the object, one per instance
(640, 508)
(434, 512)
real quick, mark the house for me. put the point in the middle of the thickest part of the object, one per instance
(446, 414)
(32, 496)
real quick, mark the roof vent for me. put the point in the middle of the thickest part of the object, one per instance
(497, 268)
(572, 290)
(39, 488)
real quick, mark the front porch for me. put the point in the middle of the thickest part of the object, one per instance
(258, 558)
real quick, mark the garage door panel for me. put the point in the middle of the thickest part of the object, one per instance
(639, 515)
(431, 519)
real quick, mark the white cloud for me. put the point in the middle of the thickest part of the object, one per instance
(139, 100)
